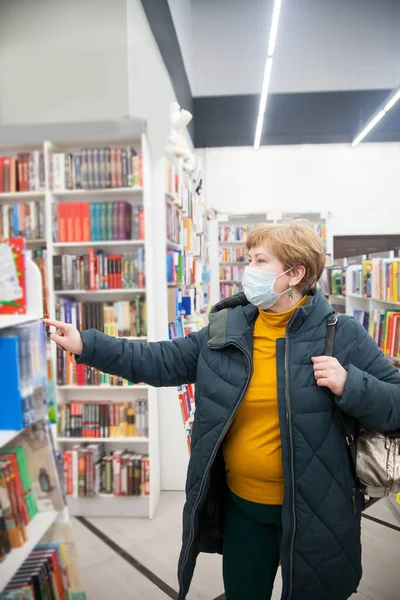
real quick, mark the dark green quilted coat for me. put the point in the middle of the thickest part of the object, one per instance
(320, 552)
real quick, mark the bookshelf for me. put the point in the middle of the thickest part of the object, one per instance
(27, 451)
(228, 235)
(57, 143)
(188, 291)
(368, 288)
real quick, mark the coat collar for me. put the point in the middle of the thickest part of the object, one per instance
(232, 320)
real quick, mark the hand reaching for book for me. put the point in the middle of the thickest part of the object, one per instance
(66, 337)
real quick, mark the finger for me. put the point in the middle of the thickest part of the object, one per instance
(59, 340)
(54, 323)
(321, 359)
(324, 382)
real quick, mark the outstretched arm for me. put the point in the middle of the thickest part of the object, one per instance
(156, 363)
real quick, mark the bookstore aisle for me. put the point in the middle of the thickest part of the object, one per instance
(154, 545)
(82, 512)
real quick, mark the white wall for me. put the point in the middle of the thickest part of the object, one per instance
(150, 96)
(322, 45)
(182, 16)
(359, 187)
(62, 61)
(88, 60)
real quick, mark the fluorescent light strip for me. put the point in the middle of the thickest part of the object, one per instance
(267, 72)
(265, 87)
(274, 27)
(376, 119)
(392, 102)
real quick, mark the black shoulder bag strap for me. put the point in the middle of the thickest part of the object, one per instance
(347, 423)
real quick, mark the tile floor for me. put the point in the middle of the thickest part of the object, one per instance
(156, 545)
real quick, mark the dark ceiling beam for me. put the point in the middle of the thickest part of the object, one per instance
(303, 118)
(162, 26)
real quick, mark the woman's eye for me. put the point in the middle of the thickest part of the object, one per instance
(261, 261)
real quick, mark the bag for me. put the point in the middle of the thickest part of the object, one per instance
(375, 456)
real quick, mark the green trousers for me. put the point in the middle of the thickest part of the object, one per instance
(252, 536)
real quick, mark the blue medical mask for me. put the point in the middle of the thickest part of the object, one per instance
(258, 287)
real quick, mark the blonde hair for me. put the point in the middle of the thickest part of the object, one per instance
(294, 244)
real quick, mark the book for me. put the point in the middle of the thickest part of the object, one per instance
(24, 375)
(229, 289)
(97, 168)
(43, 575)
(119, 473)
(232, 233)
(12, 276)
(385, 279)
(98, 270)
(99, 221)
(22, 220)
(104, 419)
(229, 255)
(22, 173)
(122, 319)
(233, 274)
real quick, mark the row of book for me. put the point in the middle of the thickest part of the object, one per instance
(187, 404)
(228, 255)
(234, 233)
(89, 472)
(384, 327)
(26, 219)
(184, 268)
(98, 270)
(180, 185)
(359, 279)
(178, 327)
(24, 375)
(97, 168)
(333, 281)
(22, 173)
(385, 279)
(377, 278)
(98, 221)
(171, 177)
(69, 373)
(227, 290)
(183, 302)
(122, 319)
(174, 225)
(43, 576)
(18, 503)
(231, 273)
(104, 419)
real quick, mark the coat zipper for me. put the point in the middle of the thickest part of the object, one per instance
(291, 462)
(213, 454)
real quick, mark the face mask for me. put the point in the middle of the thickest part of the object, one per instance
(258, 287)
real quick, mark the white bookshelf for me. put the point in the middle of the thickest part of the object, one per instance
(226, 220)
(42, 521)
(109, 505)
(69, 138)
(36, 529)
(175, 452)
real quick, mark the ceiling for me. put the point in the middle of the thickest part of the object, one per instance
(322, 45)
(335, 62)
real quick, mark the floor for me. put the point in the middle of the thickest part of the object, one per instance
(156, 544)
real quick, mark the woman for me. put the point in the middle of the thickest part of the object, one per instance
(269, 479)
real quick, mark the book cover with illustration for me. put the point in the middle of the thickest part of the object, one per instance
(12, 277)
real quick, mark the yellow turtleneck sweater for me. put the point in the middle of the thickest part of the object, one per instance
(252, 448)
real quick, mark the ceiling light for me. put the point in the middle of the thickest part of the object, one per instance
(274, 27)
(273, 32)
(394, 97)
(392, 101)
